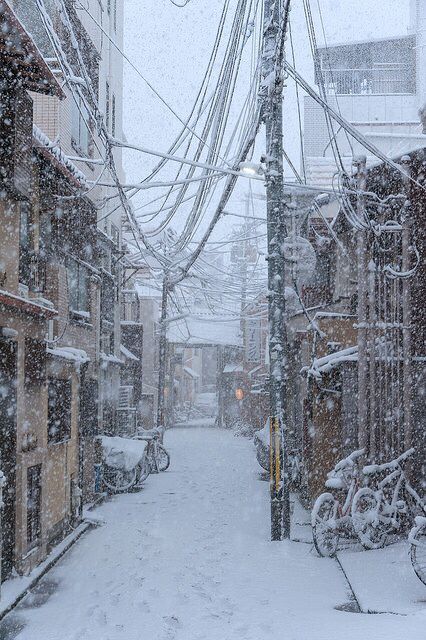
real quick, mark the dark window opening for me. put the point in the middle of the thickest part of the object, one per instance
(78, 288)
(35, 361)
(33, 504)
(59, 410)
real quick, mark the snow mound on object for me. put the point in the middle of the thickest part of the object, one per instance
(263, 435)
(122, 453)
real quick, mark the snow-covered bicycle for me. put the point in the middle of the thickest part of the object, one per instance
(127, 462)
(156, 458)
(417, 539)
(389, 508)
(331, 514)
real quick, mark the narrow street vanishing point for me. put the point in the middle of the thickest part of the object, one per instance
(188, 558)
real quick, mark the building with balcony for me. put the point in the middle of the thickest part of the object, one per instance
(38, 417)
(378, 86)
(74, 123)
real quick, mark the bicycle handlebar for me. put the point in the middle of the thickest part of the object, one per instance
(388, 466)
(349, 460)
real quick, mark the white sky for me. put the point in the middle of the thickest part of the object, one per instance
(171, 45)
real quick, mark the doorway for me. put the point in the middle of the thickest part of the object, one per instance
(8, 383)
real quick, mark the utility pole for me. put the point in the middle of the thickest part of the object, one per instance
(275, 24)
(162, 365)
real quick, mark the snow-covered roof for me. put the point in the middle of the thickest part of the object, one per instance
(17, 45)
(44, 142)
(205, 330)
(233, 368)
(127, 353)
(40, 306)
(70, 353)
(191, 372)
(332, 360)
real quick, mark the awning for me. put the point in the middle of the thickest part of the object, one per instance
(70, 353)
(233, 368)
(191, 372)
(128, 354)
(42, 308)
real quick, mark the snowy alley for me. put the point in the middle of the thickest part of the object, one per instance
(189, 557)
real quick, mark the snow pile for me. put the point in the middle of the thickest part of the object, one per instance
(122, 453)
(263, 435)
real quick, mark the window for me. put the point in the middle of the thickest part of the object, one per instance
(115, 15)
(108, 298)
(33, 504)
(109, 7)
(80, 122)
(35, 361)
(26, 243)
(59, 410)
(113, 118)
(78, 288)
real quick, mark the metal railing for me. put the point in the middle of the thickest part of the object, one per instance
(130, 306)
(393, 79)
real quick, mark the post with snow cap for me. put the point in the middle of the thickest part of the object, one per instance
(275, 26)
(2, 484)
(162, 364)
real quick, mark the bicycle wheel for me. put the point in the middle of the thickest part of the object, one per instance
(365, 512)
(418, 551)
(324, 526)
(163, 458)
(144, 469)
(118, 480)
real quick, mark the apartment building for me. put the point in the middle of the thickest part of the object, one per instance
(60, 269)
(379, 87)
(30, 388)
(96, 29)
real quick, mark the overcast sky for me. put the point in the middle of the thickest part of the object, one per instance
(171, 45)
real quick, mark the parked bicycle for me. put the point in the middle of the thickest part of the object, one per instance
(417, 539)
(156, 458)
(331, 514)
(127, 467)
(389, 508)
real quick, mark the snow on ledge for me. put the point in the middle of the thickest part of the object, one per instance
(127, 353)
(79, 356)
(332, 360)
(108, 358)
(60, 156)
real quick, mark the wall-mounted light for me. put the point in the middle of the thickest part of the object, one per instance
(239, 393)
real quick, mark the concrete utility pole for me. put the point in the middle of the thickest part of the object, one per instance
(275, 25)
(162, 365)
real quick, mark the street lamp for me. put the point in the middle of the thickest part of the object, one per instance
(251, 169)
(239, 394)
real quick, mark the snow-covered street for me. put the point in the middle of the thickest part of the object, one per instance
(189, 557)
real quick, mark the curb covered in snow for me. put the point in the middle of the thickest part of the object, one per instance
(15, 589)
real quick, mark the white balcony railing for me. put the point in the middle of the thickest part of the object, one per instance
(392, 79)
